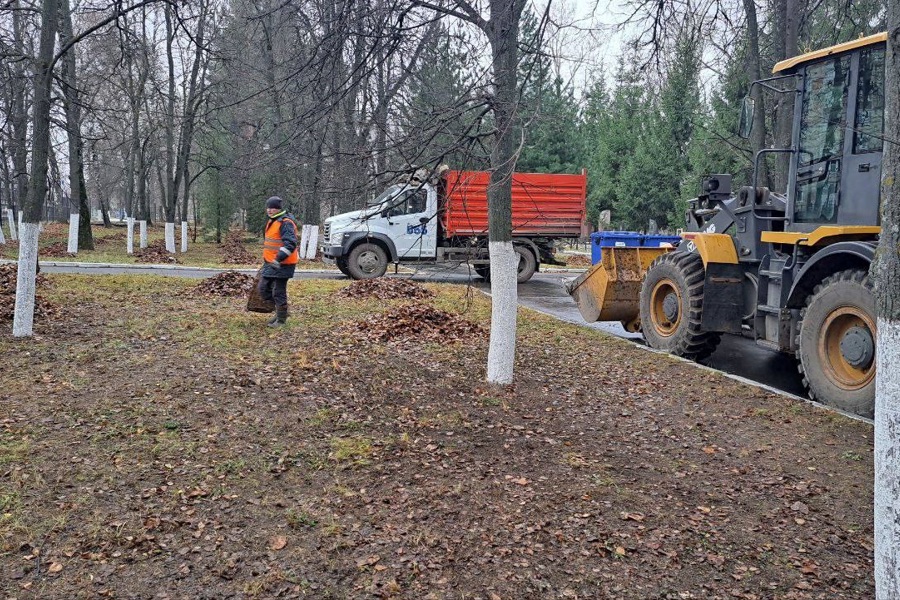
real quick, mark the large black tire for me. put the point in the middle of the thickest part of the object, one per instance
(837, 343)
(367, 261)
(527, 264)
(342, 265)
(483, 271)
(671, 305)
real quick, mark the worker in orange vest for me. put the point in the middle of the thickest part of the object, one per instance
(280, 256)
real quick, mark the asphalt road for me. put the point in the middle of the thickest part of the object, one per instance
(545, 293)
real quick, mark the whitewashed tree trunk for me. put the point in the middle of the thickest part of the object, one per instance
(170, 237)
(313, 242)
(143, 227)
(886, 271)
(73, 233)
(184, 236)
(2, 237)
(129, 238)
(23, 318)
(12, 225)
(304, 241)
(504, 301)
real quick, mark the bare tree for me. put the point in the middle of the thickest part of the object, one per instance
(886, 269)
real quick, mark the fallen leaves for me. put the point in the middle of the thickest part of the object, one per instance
(8, 276)
(385, 288)
(155, 252)
(415, 321)
(233, 250)
(277, 542)
(229, 284)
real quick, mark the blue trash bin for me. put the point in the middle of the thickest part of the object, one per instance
(613, 239)
(655, 241)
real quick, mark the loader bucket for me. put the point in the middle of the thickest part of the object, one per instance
(611, 289)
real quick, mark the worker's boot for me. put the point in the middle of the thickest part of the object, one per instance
(280, 318)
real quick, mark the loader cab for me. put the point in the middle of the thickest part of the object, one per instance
(835, 172)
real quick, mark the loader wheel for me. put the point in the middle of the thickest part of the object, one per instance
(671, 304)
(367, 261)
(837, 343)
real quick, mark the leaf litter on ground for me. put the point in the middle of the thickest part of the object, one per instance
(385, 288)
(229, 284)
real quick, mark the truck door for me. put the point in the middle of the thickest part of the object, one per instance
(862, 167)
(405, 214)
(823, 121)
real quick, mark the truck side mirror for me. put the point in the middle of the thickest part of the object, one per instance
(424, 220)
(745, 124)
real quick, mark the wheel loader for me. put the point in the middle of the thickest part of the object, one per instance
(789, 269)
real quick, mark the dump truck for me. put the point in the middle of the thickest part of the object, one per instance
(442, 218)
(788, 268)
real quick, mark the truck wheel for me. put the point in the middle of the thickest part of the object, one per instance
(483, 271)
(527, 264)
(367, 261)
(342, 266)
(837, 343)
(671, 303)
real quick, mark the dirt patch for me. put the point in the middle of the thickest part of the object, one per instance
(419, 322)
(234, 252)
(154, 443)
(42, 307)
(155, 252)
(229, 284)
(385, 288)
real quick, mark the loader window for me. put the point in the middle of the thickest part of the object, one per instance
(822, 123)
(824, 102)
(869, 122)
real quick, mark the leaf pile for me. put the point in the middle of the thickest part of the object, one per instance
(119, 236)
(229, 284)
(420, 322)
(234, 251)
(155, 252)
(384, 288)
(8, 277)
(55, 250)
(578, 260)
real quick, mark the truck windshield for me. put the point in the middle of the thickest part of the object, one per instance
(386, 194)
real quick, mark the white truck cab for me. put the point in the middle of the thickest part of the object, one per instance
(399, 225)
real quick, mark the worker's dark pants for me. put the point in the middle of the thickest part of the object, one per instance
(272, 289)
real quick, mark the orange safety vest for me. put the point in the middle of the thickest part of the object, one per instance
(272, 243)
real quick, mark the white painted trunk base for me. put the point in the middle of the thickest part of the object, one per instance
(23, 317)
(311, 247)
(304, 241)
(12, 225)
(170, 238)
(143, 228)
(2, 237)
(184, 236)
(74, 218)
(887, 461)
(504, 306)
(129, 238)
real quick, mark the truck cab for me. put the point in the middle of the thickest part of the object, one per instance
(399, 225)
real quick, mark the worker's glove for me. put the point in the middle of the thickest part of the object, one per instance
(276, 263)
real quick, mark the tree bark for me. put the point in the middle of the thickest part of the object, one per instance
(786, 36)
(77, 189)
(886, 270)
(19, 114)
(758, 133)
(23, 317)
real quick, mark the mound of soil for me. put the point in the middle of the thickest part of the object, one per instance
(8, 277)
(155, 252)
(55, 250)
(234, 251)
(229, 284)
(421, 323)
(384, 288)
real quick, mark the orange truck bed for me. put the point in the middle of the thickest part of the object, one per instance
(542, 204)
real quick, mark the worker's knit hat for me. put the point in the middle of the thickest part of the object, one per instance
(274, 202)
